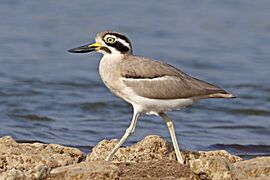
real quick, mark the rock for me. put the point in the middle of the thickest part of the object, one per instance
(150, 148)
(33, 161)
(151, 158)
(220, 153)
(214, 168)
(255, 168)
(222, 165)
(211, 164)
(85, 171)
(12, 175)
(192, 155)
(214, 165)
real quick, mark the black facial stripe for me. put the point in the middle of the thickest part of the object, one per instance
(120, 47)
(120, 36)
(107, 50)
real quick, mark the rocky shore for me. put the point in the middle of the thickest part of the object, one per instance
(151, 158)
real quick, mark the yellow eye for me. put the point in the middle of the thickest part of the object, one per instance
(110, 40)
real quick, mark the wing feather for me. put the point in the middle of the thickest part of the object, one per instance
(156, 80)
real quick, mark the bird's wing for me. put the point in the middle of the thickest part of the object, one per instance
(156, 80)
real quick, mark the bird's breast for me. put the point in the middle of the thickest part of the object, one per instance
(110, 75)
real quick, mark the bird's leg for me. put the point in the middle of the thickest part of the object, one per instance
(169, 124)
(129, 131)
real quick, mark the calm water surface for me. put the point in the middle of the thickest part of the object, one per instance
(52, 96)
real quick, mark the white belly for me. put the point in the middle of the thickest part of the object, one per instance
(154, 106)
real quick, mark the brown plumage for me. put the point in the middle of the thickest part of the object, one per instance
(156, 80)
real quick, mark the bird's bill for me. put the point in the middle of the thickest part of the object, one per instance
(86, 48)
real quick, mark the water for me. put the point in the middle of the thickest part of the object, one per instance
(52, 96)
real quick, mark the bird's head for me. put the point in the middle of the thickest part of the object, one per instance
(108, 43)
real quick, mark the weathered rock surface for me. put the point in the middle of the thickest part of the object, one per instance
(254, 168)
(33, 161)
(213, 165)
(215, 168)
(150, 148)
(85, 171)
(151, 158)
(220, 153)
(228, 167)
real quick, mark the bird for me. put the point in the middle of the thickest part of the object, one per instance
(152, 87)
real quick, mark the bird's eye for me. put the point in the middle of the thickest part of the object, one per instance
(110, 40)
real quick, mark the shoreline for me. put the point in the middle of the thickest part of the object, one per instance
(151, 158)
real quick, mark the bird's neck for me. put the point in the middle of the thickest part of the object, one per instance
(109, 62)
(108, 69)
(112, 58)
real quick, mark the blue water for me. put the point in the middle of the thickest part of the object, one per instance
(49, 95)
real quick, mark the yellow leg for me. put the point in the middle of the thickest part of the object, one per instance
(169, 124)
(129, 131)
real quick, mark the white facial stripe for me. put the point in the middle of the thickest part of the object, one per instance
(124, 43)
